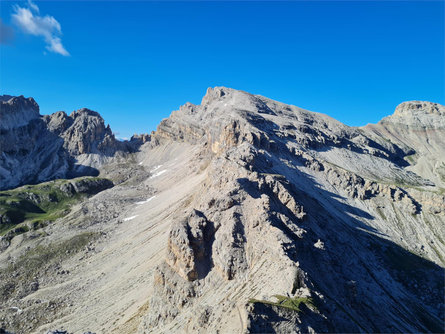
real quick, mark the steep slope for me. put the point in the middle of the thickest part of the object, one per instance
(419, 126)
(245, 214)
(35, 148)
(296, 204)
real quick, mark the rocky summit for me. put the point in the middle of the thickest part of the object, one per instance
(37, 148)
(238, 215)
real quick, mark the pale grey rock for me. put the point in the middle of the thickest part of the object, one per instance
(258, 199)
(35, 148)
(418, 127)
(140, 138)
(88, 134)
(421, 109)
(17, 111)
(280, 180)
(188, 245)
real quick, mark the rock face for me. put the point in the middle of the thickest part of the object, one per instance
(420, 110)
(84, 132)
(17, 111)
(38, 148)
(419, 126)
(296, 204)
(187, 249)
(243, 214)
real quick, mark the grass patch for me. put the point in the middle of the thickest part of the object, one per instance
(40, 256)
(412, 159)
(289, 303)
(5, 228)
(44, 202)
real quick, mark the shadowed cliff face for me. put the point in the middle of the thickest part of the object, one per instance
(38, 148)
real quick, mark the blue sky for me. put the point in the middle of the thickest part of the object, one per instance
(135, 62)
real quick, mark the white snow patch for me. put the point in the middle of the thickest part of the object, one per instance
(129, 218)
(146, 201)
(140, 163)
(156, 168)
(158, 173)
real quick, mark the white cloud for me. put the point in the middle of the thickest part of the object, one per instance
(33, 6)
(29, 20)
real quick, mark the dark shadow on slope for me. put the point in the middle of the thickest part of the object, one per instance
(370, 283)
(395, 154)
(396, 157)
(252, 189)
(203, 249)
(268, 318)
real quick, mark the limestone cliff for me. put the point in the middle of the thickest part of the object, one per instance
(35, 148)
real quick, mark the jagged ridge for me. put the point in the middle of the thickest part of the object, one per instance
(37, 148)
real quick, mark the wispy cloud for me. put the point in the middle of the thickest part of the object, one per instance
(29, 20)
(33, 6)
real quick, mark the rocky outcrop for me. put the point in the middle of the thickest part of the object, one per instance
(421, 109)
(293, 208)
(419, 126)
(17, 111)
(87, 134)
(188, 245)
(88, 186)
(37, 148)
(140, 139)
(281, 192)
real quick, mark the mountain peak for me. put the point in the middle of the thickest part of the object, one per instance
(419, 107)
(85, 112)
(5, 98)
(52, 146)
(16, 111)
(216, 93)
(417, 114)
(229, 96)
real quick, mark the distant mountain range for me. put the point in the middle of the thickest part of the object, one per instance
(36, 148)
